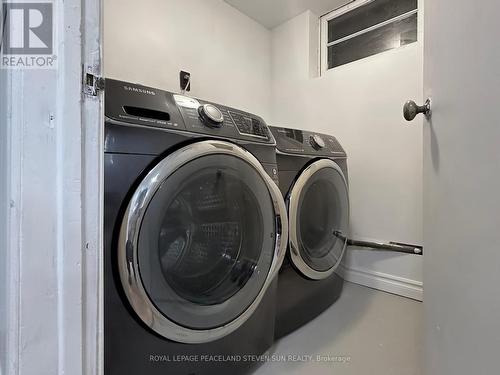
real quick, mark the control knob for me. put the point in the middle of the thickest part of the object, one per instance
(211, 115)
(317, 142)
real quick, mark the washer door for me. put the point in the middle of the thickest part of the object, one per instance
(202, 238)
(318, 208)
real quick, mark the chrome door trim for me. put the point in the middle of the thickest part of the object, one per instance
(293, 207)
(129, 233)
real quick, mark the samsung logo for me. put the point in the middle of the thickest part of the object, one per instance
(136, 89)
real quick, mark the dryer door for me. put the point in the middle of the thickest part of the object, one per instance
(318, 209)
(201, 240)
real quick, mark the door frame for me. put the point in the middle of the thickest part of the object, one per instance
(93, 192)
(52, 164)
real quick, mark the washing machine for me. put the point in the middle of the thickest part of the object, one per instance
(312, 169)
(195, 232)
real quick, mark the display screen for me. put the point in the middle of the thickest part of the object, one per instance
(247, 122)
(248, 125)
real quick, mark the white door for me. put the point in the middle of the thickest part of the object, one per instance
(462, 187)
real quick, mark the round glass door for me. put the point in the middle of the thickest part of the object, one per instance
(319, 219)
(207, 242)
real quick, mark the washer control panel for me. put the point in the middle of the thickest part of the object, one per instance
(248, 125)
(146, 106)
(295, 141)
(240, 124)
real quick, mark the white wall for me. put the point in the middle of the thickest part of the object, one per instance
(226, 52)
(361, 104)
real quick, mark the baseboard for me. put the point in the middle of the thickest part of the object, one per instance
(382, 281)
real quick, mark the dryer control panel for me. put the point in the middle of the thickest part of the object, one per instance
(295, 141)
(146, 106)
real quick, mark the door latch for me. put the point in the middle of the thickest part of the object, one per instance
(92, 84)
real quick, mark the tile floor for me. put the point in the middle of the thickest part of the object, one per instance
(366, 332)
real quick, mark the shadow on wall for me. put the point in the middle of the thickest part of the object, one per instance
(434, 146)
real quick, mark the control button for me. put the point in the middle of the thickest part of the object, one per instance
(316, 141)
(211, 115)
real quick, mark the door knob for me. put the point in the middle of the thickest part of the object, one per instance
(411, 109)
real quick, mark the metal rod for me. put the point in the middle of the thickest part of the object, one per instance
(391, 246)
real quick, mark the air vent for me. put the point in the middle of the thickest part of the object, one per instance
(146, 113)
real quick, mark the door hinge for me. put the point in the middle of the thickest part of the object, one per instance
(92, 84)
